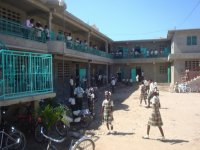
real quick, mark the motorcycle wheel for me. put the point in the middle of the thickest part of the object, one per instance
(85, 122)
(61, 128)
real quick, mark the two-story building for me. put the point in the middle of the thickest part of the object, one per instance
(36, 61)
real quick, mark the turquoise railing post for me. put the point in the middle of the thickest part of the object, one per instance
(3, 75)
(24, 74)
(15, 29)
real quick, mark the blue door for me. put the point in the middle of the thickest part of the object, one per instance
(133, 74)
(82, 75)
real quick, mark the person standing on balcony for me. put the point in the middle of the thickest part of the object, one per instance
(77, 42)
(47, 32)
(39, 31)
(28, 25)
(69, 40)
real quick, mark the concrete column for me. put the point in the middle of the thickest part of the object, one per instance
(88, 38)
(50, 21)
(111, 71)
(154, 72)
(88, 74)
(106, 47)
(107, 73)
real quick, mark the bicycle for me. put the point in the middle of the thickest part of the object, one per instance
(183, 88)
(25, 120)
(84, 143)
(174, 88)
(10, 138)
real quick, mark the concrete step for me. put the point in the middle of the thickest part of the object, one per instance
(163, 86)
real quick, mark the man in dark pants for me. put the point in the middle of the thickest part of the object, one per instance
(113, 84)
(78, 92)
(71, 86)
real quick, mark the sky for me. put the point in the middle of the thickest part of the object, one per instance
(137, 19)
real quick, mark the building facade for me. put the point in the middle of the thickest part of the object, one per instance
(60, 45)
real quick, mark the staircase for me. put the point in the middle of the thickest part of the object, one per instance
(192, 78)
(163, 86)
(194, 84)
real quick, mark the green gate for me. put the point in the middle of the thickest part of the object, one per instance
(169, 74)
(82, 73)
(133, 74)
(24, 74)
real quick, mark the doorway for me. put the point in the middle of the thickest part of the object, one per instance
(139, 72)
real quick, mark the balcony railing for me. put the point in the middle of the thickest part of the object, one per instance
(79, 47)
(24, 74)
(144, 53)
(15, 29)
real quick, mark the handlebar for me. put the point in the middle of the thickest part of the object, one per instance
(52, 139)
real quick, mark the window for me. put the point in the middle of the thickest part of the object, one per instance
(192, 65)
(191, 40)
(60, 71)
(9, 14)
(163, 69)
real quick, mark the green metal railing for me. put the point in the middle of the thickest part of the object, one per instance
(24, 74)
(79, 47)
(86, 49)
(15, 29)
(144, 53)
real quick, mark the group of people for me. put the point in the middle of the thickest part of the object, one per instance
(78, 94)
(39, 29)
(149, 91)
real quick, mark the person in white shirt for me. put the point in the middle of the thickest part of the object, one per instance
(29, 23)
(47, 32)
(78, 92)
(71, 86)
(113, 84)
(150, 93)
(39, 31)
(107, 112)
(137, 78)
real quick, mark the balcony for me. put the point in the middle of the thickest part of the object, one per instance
(144, 52)
(24, 74)
(8, 27)
(57, 39)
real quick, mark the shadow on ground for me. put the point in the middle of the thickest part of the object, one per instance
(121, 93)
(174, 141)
(170, 141)
(122, 133)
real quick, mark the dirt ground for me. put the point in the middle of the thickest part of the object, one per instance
(180, 114)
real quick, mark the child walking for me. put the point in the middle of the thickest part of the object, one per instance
(107, 111)
(143, 94)
(155, 117)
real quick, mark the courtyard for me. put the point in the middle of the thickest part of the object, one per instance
(181, 117)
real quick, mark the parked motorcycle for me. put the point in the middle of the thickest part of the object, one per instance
(77, 119)
(91, 98)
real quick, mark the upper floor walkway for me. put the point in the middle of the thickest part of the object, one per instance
(18, 36)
